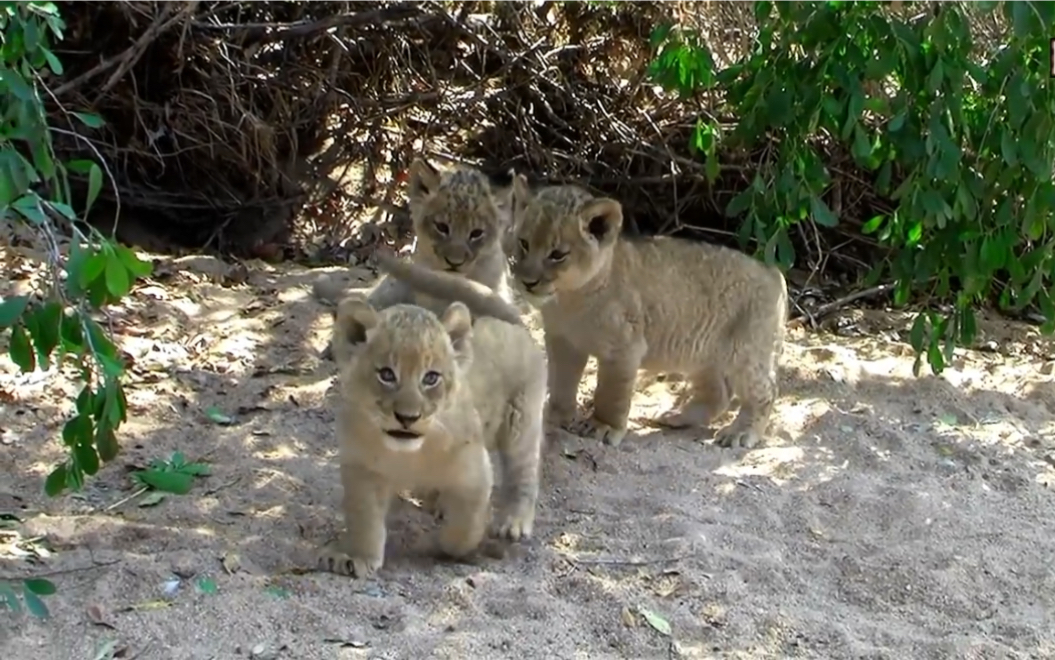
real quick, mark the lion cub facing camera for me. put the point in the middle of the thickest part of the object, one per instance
(660, 304)
(422, 400)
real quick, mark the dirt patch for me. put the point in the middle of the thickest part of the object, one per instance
(890, 517)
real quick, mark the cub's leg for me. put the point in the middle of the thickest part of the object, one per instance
(465, 506)
(611, 400)
(519, 455)
(360, 549)
(565, 366)
(756, 387)
(708, 401)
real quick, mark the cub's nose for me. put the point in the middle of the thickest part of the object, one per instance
(530, 284)
(406, 420)
(455, 264)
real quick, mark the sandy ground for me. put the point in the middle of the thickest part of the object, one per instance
(890, 517)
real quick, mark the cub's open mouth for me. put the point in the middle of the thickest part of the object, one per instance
(400, 434)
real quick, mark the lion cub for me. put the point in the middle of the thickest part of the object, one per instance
(660, 304)
(461, 221)
(423, 399)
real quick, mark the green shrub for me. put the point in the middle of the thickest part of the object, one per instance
(958, 135)
(35, 189)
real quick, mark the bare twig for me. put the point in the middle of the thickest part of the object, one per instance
(835, 305)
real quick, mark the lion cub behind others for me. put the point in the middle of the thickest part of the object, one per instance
(461, 218)
(657, 303)
(422, 400)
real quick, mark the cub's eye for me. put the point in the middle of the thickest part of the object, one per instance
(386, 376)
(430, 379)
(476, 234)
(443, 228)
(557, 256)
(523, 245)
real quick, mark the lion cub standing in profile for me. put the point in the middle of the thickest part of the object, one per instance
(660, 304)
(423, 398)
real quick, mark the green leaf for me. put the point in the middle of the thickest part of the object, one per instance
(133, 263)
(9, 597)
(53, 62)
(95, 185)
(277, 592)
(11, 309)
(170, 482)
(35, 605)
(48, 322)
(1008, 149)
(17, 85)
(106, 442)
(217, 416)
(936, 77)
(207, 585)
(117, 282)
(89, 120)
(740, 203)
(935, 358)
(196, 469)
(915, 232)
(861, 148)
(898, 121)
(916, 335)
(20, 350)
(40, 586)
(658, 623)
(28, 206)
(822, 215)
(153, 498)
(872, 225)
(712, 169)
(86, 459)
(77, 431)
(56, 481)
(659, 34)
(93, 267)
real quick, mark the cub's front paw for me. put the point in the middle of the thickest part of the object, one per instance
(735, 438)
(514, 526)
(335, 560)
(560, 416)
(598, 430)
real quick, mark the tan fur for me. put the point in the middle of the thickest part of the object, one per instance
(659, 304)
(461, 222)
(489, 396)
(481, 300)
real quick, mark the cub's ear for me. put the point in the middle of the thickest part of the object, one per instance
(423, 179)
(458, 322)
(503, 192)
(352, 321)
(520, 193)
(602, 220)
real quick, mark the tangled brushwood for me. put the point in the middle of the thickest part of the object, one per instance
(232, 124)
(834, 136)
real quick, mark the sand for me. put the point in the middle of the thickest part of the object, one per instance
(889, 516)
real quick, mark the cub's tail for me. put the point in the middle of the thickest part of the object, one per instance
(480, 299)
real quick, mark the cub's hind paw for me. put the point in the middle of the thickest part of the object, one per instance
(734, 438)
(603, 433)
(333, 560)
(514, 526)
